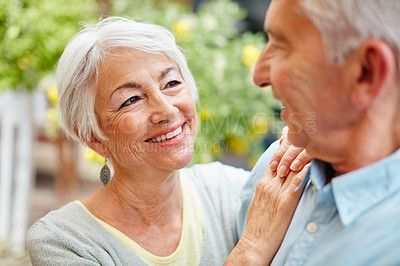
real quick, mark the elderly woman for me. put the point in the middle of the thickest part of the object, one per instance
(126, 92)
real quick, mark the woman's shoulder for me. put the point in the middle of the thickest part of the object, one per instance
(68, 222)
(69, 219)
(70, 234)
(216, 173)
(216, 166)
(55, 230)
(66, 213)
(215, 178)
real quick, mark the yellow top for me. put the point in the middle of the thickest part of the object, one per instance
(190, 245)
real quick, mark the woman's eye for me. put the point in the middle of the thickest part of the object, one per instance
(172, 84)
(130, 101)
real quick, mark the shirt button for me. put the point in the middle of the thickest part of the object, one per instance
(312, 227)
(314, 188)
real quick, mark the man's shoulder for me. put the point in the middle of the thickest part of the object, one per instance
(247, 192)
(260, 167)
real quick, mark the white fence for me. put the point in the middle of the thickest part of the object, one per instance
(16, 169)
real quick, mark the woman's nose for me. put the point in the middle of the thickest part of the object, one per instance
(261, 76)
(163, 110)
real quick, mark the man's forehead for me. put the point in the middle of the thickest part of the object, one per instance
(282, 11)
(275, 13)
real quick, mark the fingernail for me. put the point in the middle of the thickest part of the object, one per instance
(283, 171)
(273, 165)
(295, 166)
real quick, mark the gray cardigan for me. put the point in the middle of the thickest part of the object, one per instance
(71, 236)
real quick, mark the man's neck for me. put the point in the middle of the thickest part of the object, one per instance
(364, 146)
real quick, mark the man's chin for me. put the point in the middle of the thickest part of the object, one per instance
(297, 138)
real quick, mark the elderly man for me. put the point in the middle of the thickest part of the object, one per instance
(334, 65)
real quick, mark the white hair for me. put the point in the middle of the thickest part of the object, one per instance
(77, 70)
(345, 24)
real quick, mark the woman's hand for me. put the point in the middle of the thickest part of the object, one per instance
(288, 157)
(272, 207)
(268, 218)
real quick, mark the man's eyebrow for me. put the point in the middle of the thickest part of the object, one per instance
(276, 35)
(269, 31)
(166, 71)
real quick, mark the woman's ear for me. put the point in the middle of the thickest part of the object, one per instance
(98, 146)
(376, 65)
(95, 144)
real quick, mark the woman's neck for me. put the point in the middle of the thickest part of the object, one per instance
(151, 198)
(146, 208)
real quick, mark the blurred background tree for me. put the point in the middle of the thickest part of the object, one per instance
(235, 116)
(34, 34)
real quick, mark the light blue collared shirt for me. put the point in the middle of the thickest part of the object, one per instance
(354, 220)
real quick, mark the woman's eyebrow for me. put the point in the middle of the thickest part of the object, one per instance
(129, 84)
(166, 71)
(135, 85)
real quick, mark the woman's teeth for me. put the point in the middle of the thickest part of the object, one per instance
(169, 135)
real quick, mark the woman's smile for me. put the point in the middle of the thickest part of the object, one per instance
(168, 135)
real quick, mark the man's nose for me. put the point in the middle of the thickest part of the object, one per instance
(163, 110)
(261, 76)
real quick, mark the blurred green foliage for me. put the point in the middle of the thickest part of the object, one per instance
(234, 114)
(33, 36)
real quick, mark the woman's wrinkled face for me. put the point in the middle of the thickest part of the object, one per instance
(146, 110)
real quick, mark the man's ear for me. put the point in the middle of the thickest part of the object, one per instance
(95, 144)
(376, 65)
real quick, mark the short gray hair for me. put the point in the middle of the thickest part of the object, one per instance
(345, 24)
(78, 67)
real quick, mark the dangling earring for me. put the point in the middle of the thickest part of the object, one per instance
(105, 173)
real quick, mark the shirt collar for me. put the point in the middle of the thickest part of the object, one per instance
(360, 190)
(318, 173)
